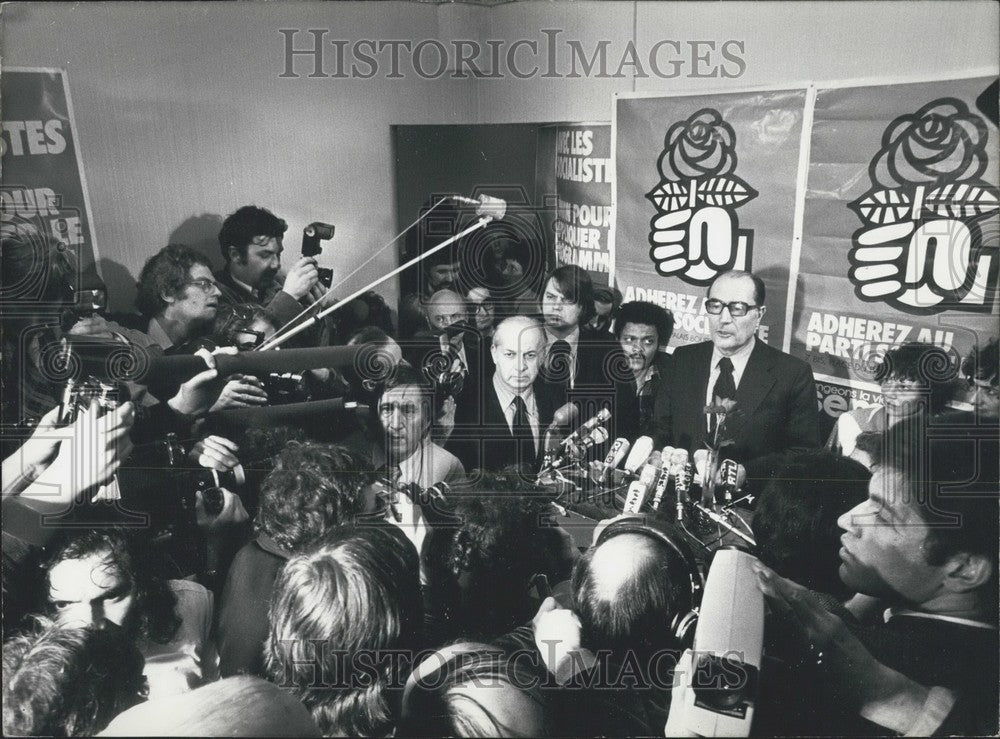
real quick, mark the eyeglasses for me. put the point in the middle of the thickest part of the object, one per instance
(480, 307)
(205, 284)
(737, 308)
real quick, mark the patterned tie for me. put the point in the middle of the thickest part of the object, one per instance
(559, 370)
(523, 434)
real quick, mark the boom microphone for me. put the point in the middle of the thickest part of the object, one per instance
(486, 205)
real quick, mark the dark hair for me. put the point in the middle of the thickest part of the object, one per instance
(438, 703)
(69, 681)
(795, 522)
(758, 284)
(165, 274)
(575, 284)
(365, 311)
(949, 468)
(648, 314)
(983, 362)
(32, 270)
(930, 365)
(499, 545)
(241, 226)
(312, 488)
(153, 615)
(359, 593)
(632, 613)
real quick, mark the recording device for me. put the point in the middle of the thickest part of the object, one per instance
(564, 416)
(210, 482)
(640, 488)
(719, 691)
(602, 417)
(79, 394)
(312, 235)
(286, 387)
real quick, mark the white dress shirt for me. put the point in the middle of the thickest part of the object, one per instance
(739, 360)
(506, 398)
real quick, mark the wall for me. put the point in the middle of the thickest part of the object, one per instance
(183, 117)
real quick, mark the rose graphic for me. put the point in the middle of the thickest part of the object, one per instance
(920, 249)
(941, 142)
(697, 194)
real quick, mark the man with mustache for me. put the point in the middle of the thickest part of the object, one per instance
(642, 330)
(250, 240)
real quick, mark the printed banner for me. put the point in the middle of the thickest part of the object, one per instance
(705, 184)
(43, 182)
(583, 198)
(900, 227)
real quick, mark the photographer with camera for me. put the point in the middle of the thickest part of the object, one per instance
(251, 245)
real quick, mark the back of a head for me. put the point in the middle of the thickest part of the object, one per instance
(358, 593)
(495, 550)
(627, 591)
(795, 522)
(312, 489)
(472, 690)
(236, 706)
(61, 681)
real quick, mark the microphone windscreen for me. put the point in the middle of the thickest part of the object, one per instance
(491, 206)
(564, 415)
(639, 454)
(178, 368)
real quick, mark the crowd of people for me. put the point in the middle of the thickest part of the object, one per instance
(204, 555)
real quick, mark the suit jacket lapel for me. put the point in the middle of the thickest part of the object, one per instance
(754, 386)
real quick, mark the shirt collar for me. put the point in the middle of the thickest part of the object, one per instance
(739, 359)
(242, 284)
(155, 331)
(573, 339)
(506, 396)
(891, 613)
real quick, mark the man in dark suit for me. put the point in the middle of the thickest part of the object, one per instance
(514, 408)
(577, 359)
(774, 393)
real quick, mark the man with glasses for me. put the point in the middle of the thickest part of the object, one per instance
(250, 241)
(774, 393)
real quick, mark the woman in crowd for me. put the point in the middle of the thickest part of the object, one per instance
(915, 378)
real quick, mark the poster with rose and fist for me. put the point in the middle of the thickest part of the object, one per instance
(875, 226)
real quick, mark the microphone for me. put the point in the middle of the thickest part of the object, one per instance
(615, 456)
(564, 416)
(681, 470)
(596, 437)
(730, 479)
(664, 478)
(639, 489)
(603, 416)
(486, 205)
(641, 450)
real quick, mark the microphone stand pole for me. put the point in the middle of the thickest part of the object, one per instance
(279, 339)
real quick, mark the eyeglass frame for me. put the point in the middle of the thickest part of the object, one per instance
(737, 308)
(204, 284)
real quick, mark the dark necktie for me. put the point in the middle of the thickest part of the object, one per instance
(559, 368)
(523, 434)
(725, 388)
